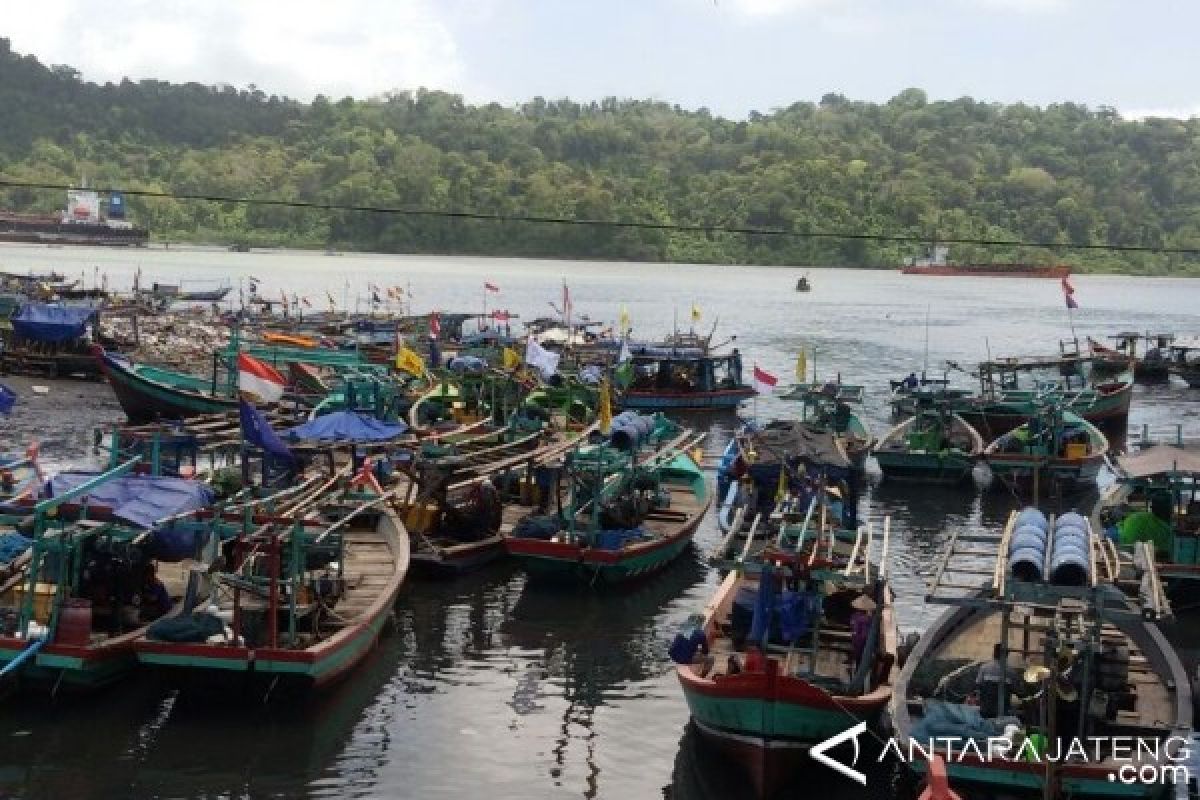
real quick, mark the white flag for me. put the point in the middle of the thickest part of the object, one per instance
(624, 355)
(540, 357)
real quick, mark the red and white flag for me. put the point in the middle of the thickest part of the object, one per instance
(764, 381)
(259, 379)
(491, 287)
(500, 316)
(435, 324)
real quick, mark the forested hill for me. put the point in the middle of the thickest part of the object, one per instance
(962, 169)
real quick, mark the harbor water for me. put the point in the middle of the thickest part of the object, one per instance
(487, 685)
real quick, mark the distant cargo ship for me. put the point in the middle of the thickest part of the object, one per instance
(86, 221)
(935, 263)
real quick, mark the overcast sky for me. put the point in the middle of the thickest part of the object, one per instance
(732, 56)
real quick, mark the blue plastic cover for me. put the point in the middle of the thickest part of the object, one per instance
(51, 323)
(346, 426)
(140, 500)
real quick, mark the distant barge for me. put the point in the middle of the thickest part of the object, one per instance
(86, 221)
(935, 264)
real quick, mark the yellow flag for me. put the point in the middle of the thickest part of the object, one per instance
(408, 361)
(512, 359)
(604, 413)
(801, 365)
(695, 313)
(782, 490)
(624, 321)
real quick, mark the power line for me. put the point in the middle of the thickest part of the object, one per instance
(672, 227)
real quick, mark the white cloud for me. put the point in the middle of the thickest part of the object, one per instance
(1025, 6)
(775, 8)
(299, 47)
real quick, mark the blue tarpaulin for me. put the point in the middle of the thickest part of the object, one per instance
(140, 500)
(346, 426)
(8, 399)
(51, 323)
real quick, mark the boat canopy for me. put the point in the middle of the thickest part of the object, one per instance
(140, 500)
(1160, 459)
(345, 426)
(46, 322)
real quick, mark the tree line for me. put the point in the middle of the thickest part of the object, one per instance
(959, 169)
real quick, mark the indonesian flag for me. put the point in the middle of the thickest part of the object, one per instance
(500, 316)
(491, 287)
(259, 379)
(764, 381)
(1069, 292)
(435, 324)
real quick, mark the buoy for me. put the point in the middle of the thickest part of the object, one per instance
(937, 782)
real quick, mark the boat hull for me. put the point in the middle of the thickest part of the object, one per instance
(991, 271)
(144, 400)
(1017, 470)
(925, 467)
(996, 419)
(64, 668)
(691, 401)
(566, 562)
(452, 562)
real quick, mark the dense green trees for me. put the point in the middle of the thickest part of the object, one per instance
(958, 169)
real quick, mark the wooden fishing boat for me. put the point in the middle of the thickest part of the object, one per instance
(791, 454)
(1185, 362)
(1053, 658)
(934, 446)
(19, 477)
(65, 622)
(1002, 404)
(803, 284)
(828, 407)
(913, 393)
(304, 600)
(1056, 447)
(148, 393)
(633, 505)
(666, 379)
(773, 666)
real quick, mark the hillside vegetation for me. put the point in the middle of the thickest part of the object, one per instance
(958, 169)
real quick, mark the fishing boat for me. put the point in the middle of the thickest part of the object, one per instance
(148, 393)
(1150, 364)
(797, 645)
(802, 284)
(670, 379)
(1185, 361)
(1041, 650)
(1011, 390)
(827, 407)
(631, 505)
(50, 339)
(933, 446)
(914, 392)
(760, 461)
(69, 610)
(1055, 448)
(303, 597)
(1156, 499)
(20, 477)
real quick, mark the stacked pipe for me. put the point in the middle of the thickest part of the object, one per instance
(629, 429)
(1071, 554)
(1027, 549)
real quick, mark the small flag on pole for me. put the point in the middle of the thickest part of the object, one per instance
(491, 287)
(764, 381)
(259, 379)
(512, 359)
(624, 320)
(409, 361)
(801, 365)
(1069, 292)
(435, 324)
(604, 414)
(695, 313)
(258, 431)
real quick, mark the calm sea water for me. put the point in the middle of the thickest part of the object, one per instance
(487, 686)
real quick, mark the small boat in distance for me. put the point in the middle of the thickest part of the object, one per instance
(802, 284)
(934, 263)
